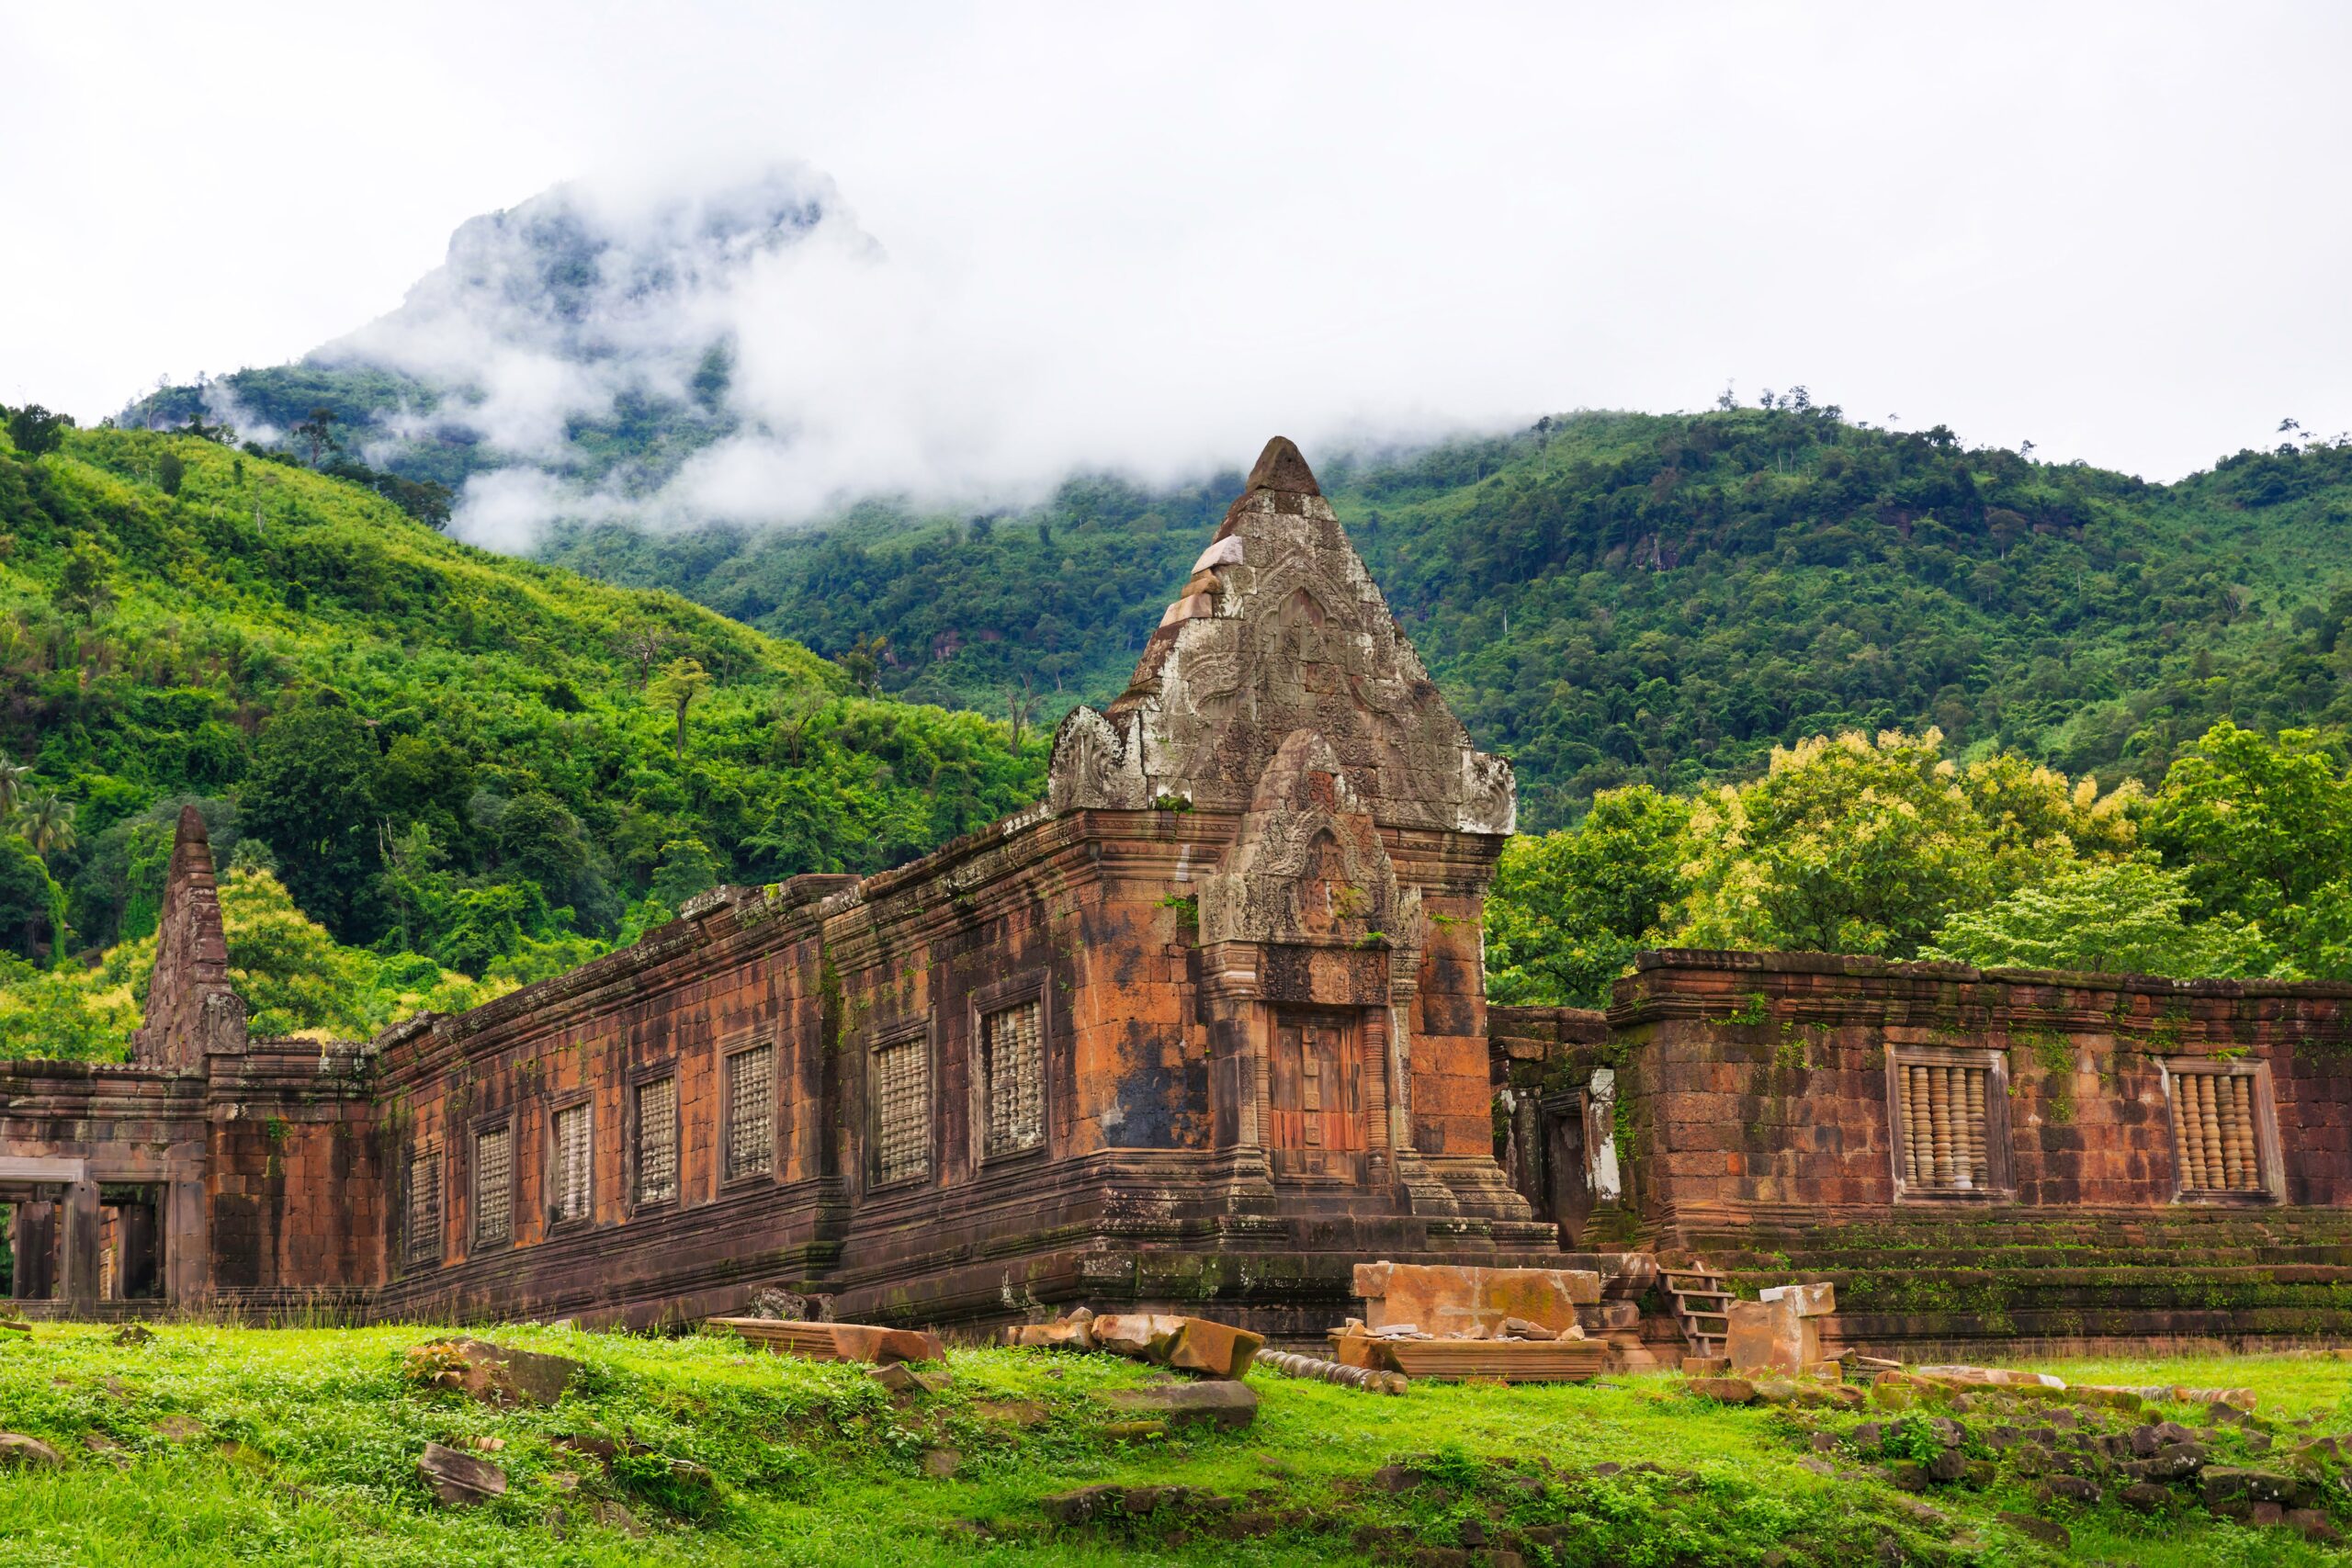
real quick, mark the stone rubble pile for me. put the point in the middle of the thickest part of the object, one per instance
(1165, 1339)
(2073, 1446)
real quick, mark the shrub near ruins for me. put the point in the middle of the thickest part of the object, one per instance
(1885, 846)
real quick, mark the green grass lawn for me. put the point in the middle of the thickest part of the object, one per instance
(214, 1445)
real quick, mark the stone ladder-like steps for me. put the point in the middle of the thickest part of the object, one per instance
(1702, 1307)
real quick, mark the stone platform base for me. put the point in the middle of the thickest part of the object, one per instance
(1990, 1283)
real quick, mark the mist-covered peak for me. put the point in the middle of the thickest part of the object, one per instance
(585, 274)
(571, 357)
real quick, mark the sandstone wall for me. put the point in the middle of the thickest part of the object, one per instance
(1758, 1084)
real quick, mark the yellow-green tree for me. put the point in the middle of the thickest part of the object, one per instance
(680, 683)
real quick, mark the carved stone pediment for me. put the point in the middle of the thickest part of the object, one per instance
(1307, 864)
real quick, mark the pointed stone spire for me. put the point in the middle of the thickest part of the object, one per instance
(1280, 631)
(1282, 466)
(191, 1010)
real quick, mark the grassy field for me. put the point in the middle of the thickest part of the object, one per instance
(213, 1445)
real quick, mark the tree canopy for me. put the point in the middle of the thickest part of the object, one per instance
(1884, 845)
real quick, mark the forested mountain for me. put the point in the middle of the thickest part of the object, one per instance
(1609, 598)
(438, 751)
(1613, 598)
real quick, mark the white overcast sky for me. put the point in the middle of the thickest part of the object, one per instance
(2118, 231)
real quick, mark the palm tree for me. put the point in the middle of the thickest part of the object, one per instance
(12, 784)
(47, 823)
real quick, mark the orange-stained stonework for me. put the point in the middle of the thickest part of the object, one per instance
(1203, 1031)
(1203, 1027)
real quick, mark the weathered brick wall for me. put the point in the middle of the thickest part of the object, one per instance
(1452, 1102)
(1077, 915)
(293, 1170)
(114, 1125)
(1759, 1082)
(735, 975)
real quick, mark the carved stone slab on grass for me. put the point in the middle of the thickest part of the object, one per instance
(837, 1341)
(458, 1480)
(19, 1451)
(1217, 1401)
(496, 1374)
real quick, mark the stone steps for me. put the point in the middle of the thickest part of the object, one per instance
(1702, 1307)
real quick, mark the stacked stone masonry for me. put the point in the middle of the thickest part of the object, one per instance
(1203, 1031)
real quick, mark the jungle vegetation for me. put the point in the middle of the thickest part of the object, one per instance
(444, 762)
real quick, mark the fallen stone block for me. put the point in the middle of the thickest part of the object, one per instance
(1770, 1334)
(1076, 1507)
(1565, 1360)
(2113, 1398)
(23, 1452)
(2315, 1525)
(1219, 1401)
(1705, 1366)
(2072, 1488)
(1217, 1349)
(1818, 1299)
(1144, 1336)
(1728, 1391)
(1992, 1377)
(2048, 1531)
(459, 1480)
(895, 1377)
(496, 1374)
(1074, 1332)
(2226, 1484)
(1012, 1412)
(836, 1342)
(2240, 1399)
(1450, 1300)
(2146, 1496)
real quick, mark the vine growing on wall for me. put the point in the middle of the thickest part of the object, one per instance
(2054, 1055)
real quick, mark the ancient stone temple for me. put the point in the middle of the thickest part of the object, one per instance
(1205, 1029)
(1204, 1026)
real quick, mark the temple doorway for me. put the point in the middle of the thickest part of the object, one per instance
(1316, 1095)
